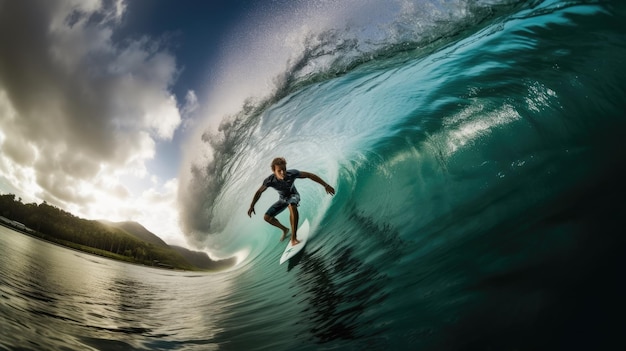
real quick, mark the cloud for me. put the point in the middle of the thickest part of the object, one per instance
(191, 106)
(79, 110)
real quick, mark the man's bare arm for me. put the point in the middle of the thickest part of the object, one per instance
(256, 198)
(314, 177)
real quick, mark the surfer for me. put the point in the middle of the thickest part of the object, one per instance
(283, 180)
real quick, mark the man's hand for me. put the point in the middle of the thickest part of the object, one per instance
(256, 198)
(329, 189)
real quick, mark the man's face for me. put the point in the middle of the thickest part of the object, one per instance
(279, 171)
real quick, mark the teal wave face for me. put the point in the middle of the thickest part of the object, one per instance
(472, 176)
(489, 110)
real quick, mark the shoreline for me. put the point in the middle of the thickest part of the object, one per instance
(24, 232)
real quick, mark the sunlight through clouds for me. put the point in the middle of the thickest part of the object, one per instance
(82, 112)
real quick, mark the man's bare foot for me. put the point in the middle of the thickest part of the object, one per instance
(285, 232)
(295, 242)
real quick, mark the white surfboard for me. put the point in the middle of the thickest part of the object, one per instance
(292, 250)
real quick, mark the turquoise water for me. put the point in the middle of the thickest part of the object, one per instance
(479, 197)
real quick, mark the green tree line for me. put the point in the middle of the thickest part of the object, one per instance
(53, 224)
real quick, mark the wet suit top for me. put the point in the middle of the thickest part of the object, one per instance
(285, 187)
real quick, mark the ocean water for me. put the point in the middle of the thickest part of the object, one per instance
(478, 163)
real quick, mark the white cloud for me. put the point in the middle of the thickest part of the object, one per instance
(81, 113)
(191, 106)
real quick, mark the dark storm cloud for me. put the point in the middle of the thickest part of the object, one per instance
(73, 103)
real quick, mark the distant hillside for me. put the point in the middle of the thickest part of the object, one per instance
(138, 231)
(202, 260)
(129, 242)
(124, 241)
(198, 259)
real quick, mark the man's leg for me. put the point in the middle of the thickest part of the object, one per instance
(273, 221)
(294, 217)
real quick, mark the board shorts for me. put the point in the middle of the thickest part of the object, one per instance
(282, 203)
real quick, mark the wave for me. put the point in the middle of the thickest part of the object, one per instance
(442, 112)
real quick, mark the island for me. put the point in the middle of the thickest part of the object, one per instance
(124, 241)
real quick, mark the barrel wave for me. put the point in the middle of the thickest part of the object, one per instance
(477, 167)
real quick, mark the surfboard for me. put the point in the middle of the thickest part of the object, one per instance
(292, 250)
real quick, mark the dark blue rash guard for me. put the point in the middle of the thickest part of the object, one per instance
(285, 187)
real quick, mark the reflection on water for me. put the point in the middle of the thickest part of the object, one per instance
(53, 298)
(335, 307)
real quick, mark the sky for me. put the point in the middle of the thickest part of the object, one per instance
(98, 98)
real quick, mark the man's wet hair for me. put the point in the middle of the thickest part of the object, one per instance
(278, 161)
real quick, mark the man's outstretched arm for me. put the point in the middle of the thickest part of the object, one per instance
(256, 198)
(314, 177)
